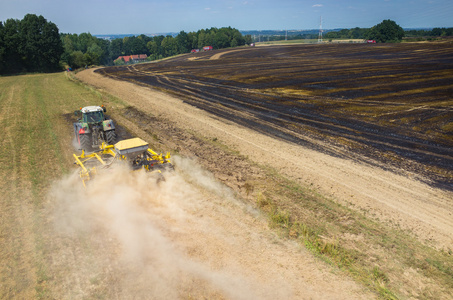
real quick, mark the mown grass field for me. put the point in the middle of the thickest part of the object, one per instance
(35, 263)
(35, 150)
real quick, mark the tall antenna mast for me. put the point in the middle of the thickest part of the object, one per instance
(320, 30)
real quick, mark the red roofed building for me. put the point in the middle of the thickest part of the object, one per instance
(132, 58)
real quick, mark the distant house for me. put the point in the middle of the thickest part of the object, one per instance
(131, 59)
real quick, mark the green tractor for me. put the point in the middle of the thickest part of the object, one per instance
(93, 128)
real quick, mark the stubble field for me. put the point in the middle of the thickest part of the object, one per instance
(391, 104)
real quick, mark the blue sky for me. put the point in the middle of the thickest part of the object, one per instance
(152, 16)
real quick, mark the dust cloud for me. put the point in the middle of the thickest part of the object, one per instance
(145, 234)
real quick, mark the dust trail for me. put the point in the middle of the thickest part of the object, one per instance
(142, 227)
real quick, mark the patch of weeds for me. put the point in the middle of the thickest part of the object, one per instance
(279, 218)
(263, 202)
(379, 275)
(441, 266)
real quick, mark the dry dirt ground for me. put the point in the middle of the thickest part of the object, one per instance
(190, 237)
(221, 247)
(424, 210)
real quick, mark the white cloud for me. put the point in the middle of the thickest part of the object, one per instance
(318, 5)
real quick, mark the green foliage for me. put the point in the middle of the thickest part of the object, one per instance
(29, 45)
(33, 44)
(371, 33)
(385, 32)
(354, 33)
(97, 51)
(183, 42)
(169, 46)
(84, 49)
(435, 32)
(160, 46)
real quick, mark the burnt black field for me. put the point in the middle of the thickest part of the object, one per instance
(387, 104)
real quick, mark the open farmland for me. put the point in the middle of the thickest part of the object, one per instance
(389, 105)
(124, 237)
(256, 209)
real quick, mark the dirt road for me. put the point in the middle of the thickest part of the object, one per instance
(401, 200)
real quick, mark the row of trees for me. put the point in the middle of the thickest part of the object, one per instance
(85, 49)
(385, 32)
(35, 45)
(164, 46)
(354, 33)
(435, 32)
(29, 45)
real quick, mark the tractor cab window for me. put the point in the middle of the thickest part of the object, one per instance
(93, 117)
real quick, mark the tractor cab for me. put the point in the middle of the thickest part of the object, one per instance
(93, 114)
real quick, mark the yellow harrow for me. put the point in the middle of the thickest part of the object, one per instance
(134, 151)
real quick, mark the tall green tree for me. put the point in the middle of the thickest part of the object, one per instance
(94, 50)
(116, 48)
(385, 32)
(184, 45)
(31, 44)
(221, 40)
(2, 48)
(169, 46)
(11, 40)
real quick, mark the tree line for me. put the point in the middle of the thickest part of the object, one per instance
(164, 46)
(387, 31)
(34, 44)
(29, 45)
(85, 49)
(435, 32)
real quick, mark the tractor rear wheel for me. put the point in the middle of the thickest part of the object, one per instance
(110, 137)
(84, 141)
